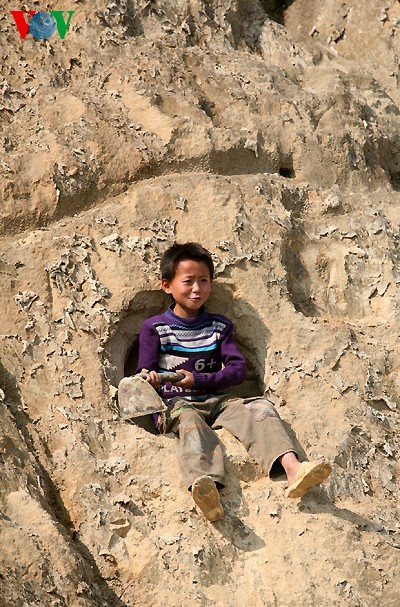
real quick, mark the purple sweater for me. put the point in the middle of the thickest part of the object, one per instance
(203, 345)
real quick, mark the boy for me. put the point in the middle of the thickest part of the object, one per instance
(200, 345)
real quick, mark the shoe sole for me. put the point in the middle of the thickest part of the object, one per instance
(309, 475)
(206, 496)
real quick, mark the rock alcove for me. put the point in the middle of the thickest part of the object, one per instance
(120, 353)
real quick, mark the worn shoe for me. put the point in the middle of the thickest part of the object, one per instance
(308, 475)
(206, 496)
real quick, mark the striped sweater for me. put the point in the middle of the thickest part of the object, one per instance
(203, 345)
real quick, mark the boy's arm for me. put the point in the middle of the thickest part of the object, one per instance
(149, 348)
(234, 371)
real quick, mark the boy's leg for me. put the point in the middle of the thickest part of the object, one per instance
(198, 449)
(256, 423)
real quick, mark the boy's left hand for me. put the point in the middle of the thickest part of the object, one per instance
(188, 382)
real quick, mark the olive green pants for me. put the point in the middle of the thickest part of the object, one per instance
(254, 421)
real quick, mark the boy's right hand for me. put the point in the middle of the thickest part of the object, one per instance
(153, 378)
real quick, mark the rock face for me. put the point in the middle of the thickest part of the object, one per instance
(270, 135)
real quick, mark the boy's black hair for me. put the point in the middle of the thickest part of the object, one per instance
(182, 252)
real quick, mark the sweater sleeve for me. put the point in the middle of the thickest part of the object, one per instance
(234, 371)
(149, 348)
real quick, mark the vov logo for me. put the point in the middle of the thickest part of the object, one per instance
(42, 25)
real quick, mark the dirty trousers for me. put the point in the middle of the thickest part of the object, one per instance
(254, 421)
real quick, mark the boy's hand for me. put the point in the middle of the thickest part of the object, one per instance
(188, 381)
(153, 378)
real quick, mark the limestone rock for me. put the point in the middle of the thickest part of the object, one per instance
(270, 135)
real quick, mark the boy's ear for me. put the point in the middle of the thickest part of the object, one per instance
(165, 286)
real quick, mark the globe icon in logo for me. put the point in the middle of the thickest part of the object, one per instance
(42, 25)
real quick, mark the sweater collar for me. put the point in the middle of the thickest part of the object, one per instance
(186, 322)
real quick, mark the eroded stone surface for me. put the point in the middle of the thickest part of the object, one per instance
(210, 122)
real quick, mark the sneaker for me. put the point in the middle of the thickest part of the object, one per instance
(206, 496)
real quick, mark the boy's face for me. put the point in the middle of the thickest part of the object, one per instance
(190, 287)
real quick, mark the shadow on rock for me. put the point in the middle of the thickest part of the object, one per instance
(324, 505)
(238, 534)
(231, 526)
(52, 502)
